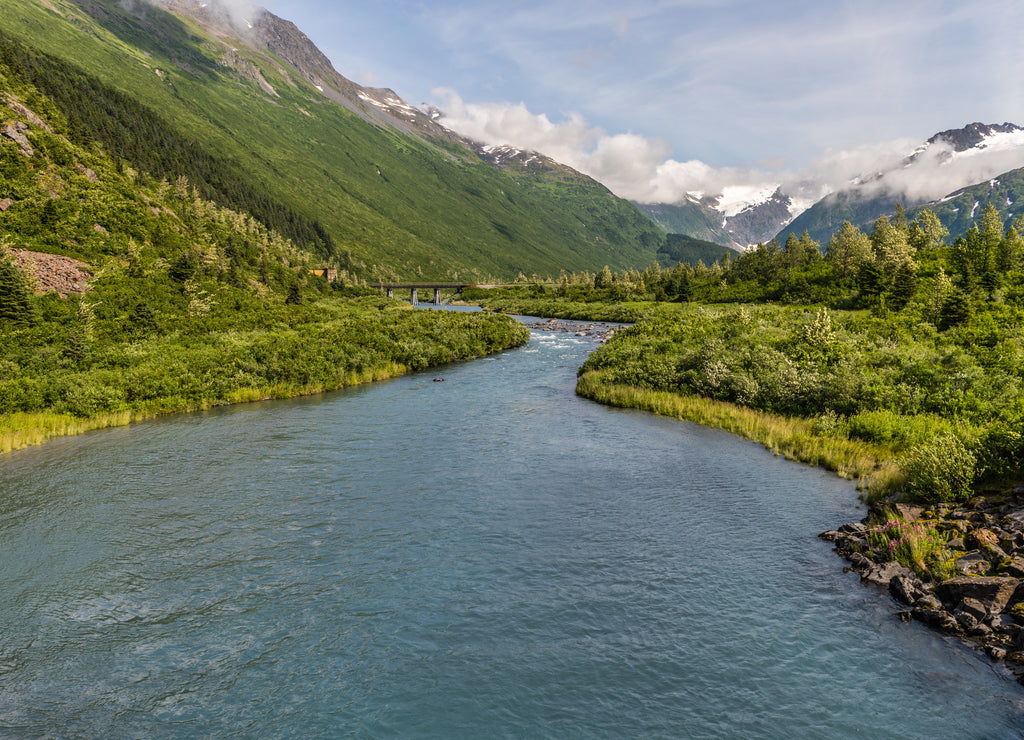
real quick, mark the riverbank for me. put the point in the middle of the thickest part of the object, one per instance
(336, 345)
(954, 565)
(959, 569)
(794, 438)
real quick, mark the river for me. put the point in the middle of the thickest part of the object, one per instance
(487, 556)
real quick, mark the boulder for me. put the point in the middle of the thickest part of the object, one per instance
(16, 133)
(972, 564)
(858, 528)
(906, 590)
(996, 653)
(5, 203)
(860, 562)
(1004, 624)
(973, 607)
(1015, 519)
(937, 618)
(1014, 542)
(979, 630)
(908, 512)
(992, 592)
(1014, 567)
(882, 574)
(985, 540)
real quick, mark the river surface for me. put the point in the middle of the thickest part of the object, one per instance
(487, 556)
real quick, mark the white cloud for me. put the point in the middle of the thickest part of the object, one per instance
(640, 169)
(242, 13)
(623, 162)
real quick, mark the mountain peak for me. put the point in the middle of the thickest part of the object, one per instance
(972, 135)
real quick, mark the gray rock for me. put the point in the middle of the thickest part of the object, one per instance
(996, 653)
(928, 602)
(1016, 519)
(973, 607)
(1014, 568)
(992, 592)
(937, 618)
(16, 133)
(972, 564)
(1004, 624)
(882, 574)
(966, 621)
(908, 512)
(860, 562)
(979, 630)
(905, 590)
(854, 528)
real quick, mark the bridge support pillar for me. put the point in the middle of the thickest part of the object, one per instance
(437, 296)
(414, 299)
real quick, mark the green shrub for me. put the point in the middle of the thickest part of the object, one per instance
(942, 469)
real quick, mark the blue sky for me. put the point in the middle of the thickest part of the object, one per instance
(722, 90)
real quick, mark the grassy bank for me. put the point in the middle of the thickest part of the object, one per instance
(67, 385)
(904, 401)
(795, 438)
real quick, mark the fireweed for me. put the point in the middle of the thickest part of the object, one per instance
(917, 545)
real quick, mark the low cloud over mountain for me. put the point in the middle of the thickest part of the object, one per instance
(642, 169)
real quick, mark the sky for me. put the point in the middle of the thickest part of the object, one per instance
(656, 98)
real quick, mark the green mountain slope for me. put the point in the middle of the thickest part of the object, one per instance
(167, 301)
(681, 248)
(688, 218)
(381, 196)
(959, 211)
(825, 217)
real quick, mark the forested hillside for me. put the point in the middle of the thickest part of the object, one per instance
(177, 302)
(251, 132)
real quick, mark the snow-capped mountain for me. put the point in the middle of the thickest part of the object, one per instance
(738, 217)
(945, 164)
(937, 170)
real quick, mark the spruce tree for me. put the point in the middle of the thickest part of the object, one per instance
(904, 287)
(15, 294)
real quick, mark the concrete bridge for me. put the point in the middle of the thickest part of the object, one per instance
(414, 289)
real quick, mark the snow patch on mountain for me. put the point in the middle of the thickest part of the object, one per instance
(738, 198)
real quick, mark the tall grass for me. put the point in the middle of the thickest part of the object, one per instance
(871, 465)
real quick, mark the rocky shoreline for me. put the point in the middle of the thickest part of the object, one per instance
(602, 331)
(982, 603)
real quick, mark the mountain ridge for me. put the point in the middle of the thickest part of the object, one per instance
(398, 193)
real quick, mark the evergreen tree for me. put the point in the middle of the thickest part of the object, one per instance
(685, 290)
(870, 280)
(294, 293)
(968, 258)
(800, 252)
(904, 287)
(1011, 247)
(991, 229)
(603, 279)
(956, 310)
(899, 220)
(15, 294)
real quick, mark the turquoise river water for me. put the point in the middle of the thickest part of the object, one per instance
(487, 556)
